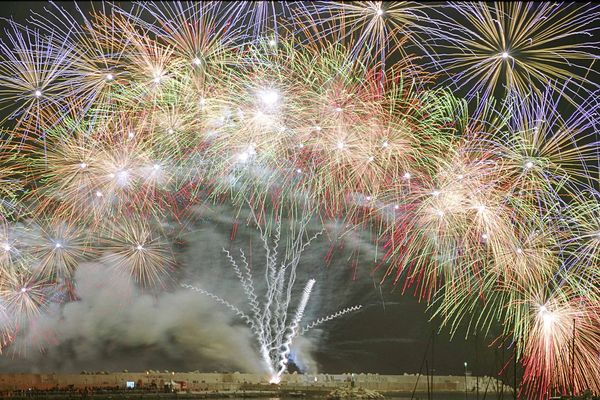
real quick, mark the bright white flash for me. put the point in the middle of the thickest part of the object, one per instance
(505, 55)
(548, 317)
(6, 247)
(245, 155)
(122, 177)
(269, 97)
(38, 93)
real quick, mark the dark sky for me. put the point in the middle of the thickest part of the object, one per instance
(389, 336)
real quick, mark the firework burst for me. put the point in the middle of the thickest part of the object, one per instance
(119, 122)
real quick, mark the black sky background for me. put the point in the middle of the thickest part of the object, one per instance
(389, 336)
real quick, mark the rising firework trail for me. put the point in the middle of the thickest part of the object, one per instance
(273, 318)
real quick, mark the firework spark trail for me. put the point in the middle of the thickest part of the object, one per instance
(292, 330)
(330, 317)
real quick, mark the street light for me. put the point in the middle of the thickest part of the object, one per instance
(466, 398)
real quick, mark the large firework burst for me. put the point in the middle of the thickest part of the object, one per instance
(117, 121)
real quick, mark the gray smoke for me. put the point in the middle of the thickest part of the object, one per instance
(114, 325)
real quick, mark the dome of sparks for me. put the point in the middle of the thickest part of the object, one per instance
(463, 136)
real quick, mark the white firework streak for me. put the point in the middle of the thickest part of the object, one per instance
(330, 317)
(269, 319)
(293, 329)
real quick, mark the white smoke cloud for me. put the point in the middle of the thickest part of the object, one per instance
(113, 316)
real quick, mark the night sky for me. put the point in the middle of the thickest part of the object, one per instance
(391, 334)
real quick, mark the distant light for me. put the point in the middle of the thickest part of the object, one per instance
(83, 165)
(543, 309)
(299, 171)
(341, 145)
(407, 175)
(368, 198)
(202, 101)
(317, 128)
(6, 247)
(170, 131)
(301, 145)
(481, 208)
(396, 207)
(385, 144)
(57, 245)
(272, 42)
(529, 164)
(435, 193)
(139, 247)
(519, 250)
(196, 61)
(460, 176)
(156, 167)
(485, 236)
(505, 54)
(379, 12)
(269, 97)
(23, 289)
(440, 213)
(99, 193)
(338, 109)
(371, 159)
(109, 77)
(465, 364)
(156, 79)
(130, 135)
(37, 93)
